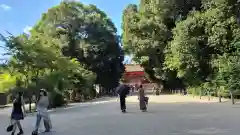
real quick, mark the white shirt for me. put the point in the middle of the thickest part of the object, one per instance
(42, 106)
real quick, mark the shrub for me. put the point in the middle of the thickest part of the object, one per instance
(56, 99)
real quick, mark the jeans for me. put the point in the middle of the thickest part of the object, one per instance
(46, 122)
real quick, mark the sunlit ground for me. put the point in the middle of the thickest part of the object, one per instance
(187, 116)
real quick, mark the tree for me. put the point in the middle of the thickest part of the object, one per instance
(179, 41)
(6, 82)
(188, 52)
(147, 31)
(86, 33)
(201, 39)
(72, 47)
(228, 73)
(40, 64)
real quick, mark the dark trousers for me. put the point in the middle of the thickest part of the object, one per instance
(123, 102)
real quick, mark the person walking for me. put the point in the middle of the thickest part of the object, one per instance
(131, 90)
(142, 99)
(136, 87)
(42, 107)
(154, 90)
(18, 113)
(123, 91)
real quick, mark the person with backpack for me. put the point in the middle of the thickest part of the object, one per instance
(123, 91)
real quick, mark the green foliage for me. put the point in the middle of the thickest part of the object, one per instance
(187, 53)
(72, 47)
(148, 29)
(56, 99)
(6, 82)
(194, 41)
(229, 65)
(194, 90)
(87, 34)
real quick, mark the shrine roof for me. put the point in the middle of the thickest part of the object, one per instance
(133, 68)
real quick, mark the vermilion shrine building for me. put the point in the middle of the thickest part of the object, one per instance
(134, 74)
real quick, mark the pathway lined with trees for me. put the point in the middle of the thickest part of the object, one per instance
(192, 45)
(181, 44)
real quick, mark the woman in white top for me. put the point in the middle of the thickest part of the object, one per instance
(42, 107)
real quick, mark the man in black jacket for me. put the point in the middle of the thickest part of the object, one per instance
(123, 91)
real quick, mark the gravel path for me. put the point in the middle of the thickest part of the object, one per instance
(162, 118)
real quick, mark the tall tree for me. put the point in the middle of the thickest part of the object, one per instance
(148, 29)
(201, 39)
(86, 33)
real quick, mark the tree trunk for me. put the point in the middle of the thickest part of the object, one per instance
(209, 96)
(73, 95)
(219, 97)
(232, 98)
(200, 94)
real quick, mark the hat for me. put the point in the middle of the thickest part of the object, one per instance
(44, 90)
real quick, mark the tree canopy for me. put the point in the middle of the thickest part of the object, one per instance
(86, 33)
(194, 43)
(72, 47)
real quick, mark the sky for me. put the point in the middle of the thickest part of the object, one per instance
(17, 16)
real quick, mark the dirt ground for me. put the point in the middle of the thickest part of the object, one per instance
(176, 99)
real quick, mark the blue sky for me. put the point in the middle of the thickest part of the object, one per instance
(17, 16)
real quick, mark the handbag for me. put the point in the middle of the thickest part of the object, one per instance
(146, 100)
(10, 127)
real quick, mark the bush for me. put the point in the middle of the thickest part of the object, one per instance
(91, 93)
(56, 99)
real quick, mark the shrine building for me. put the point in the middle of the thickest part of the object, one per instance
(134, 74)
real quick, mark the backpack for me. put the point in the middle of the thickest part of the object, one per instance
(126, 90)
(123, 90)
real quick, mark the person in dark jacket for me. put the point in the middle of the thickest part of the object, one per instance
(123, 91)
